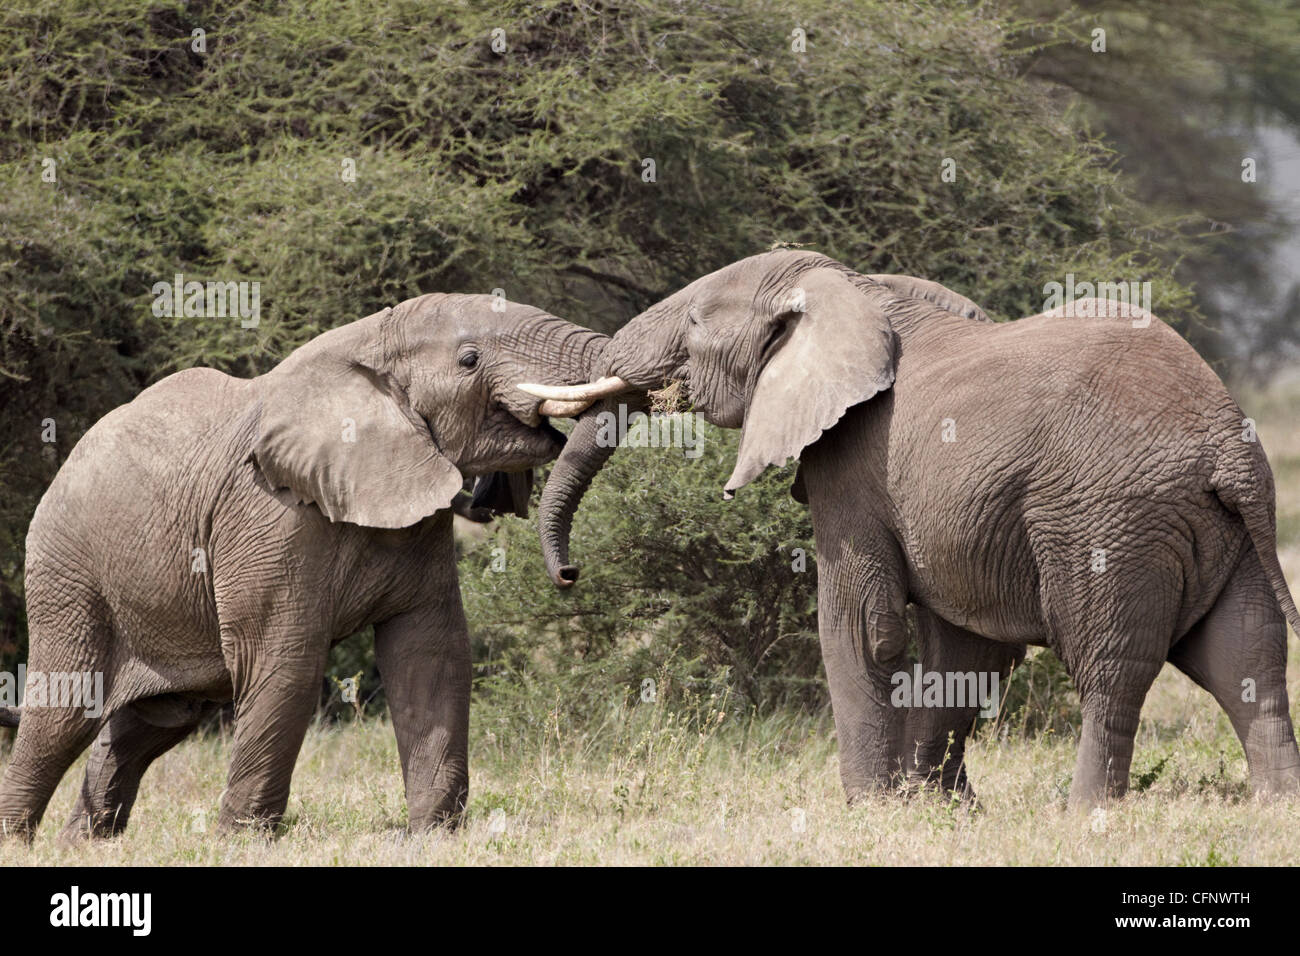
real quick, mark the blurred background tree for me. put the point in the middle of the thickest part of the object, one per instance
(590, 158)
(1185, 93)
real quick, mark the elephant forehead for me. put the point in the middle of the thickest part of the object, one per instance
(422, 306)
(475, 315)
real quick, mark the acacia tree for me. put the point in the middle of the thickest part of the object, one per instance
(588, 157)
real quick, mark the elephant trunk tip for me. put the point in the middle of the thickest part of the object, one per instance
(565, 575)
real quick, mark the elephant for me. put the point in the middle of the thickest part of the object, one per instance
(212, 539)
(1086, 484)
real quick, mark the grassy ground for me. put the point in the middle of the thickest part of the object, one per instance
(649, 786)
(669, 797)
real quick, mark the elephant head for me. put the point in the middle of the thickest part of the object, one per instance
(380, 421)
(779, 345)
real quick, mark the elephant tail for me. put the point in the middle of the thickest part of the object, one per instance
(1243, 481)
(1265, 541)
(9, 716)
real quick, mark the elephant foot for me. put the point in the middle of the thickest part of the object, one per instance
(856, 798)
(83, 826)
(859, 793)
(264, 824)
(1273, 784)
(19, 827)
(1084, 800)
(445, 811)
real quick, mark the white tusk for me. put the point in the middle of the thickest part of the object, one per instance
(553, 409)
(575, 393)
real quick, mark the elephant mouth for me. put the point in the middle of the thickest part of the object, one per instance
(551, 432)
(675, 394)
(534, 421)
(534, 416)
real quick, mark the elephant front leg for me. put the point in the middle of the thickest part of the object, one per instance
(971, 667)
(863, 640)
(425, 663)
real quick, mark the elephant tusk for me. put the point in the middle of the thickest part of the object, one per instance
(576, 393)
(553, 409)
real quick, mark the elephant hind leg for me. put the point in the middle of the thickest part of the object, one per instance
(49, 740)
(53, 732)
(1110, 724)
(1112, 627)
(132, 738)
(1238, 653)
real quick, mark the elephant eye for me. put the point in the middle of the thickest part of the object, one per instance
(468, 360)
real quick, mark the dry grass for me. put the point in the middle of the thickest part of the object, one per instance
(681, 798)
(761, 794)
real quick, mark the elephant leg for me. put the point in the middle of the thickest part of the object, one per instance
(127, 744)
(424, 659)
(934, 753)
(860, 607)
(50, 738)
(1238, 653)
(1110, 723)
(1112, 628)
(1113, 674)
(277, 688)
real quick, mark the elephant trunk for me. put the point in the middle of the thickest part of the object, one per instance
(632, 368)
(571, 475)
(571, 350)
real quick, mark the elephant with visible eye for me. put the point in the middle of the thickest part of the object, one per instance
(212, 539)
(1079, 482)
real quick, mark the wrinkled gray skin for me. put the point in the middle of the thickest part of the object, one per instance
(319, 494)
(1072, 436)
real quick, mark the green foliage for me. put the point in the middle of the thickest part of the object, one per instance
(353, 658)
(689, 590)
(1142, 779)
(523, 170)
(1039, 698)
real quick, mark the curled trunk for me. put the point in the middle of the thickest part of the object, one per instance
(570, 477)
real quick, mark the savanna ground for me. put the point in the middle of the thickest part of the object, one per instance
(650, 785)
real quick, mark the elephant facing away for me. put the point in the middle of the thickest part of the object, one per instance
(214, 537)
(1076, 482)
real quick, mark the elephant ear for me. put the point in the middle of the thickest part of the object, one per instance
(837, 349)
(934, 293)
(341, 435)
